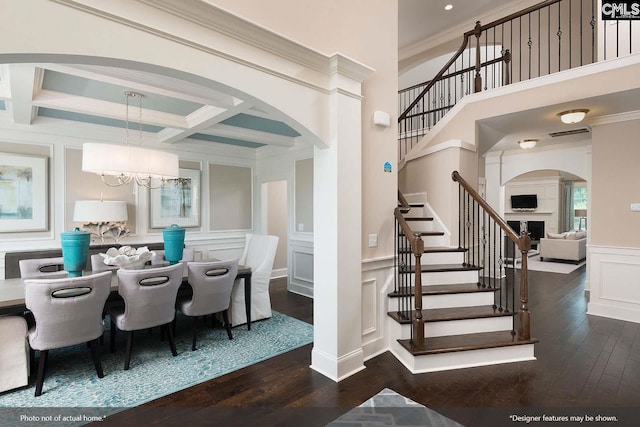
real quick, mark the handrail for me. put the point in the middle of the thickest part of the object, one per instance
(477, 31)
(519, 240)
(524, 245)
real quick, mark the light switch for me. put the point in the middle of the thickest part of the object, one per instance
(373, 240)
(300, 227)
(635, 207)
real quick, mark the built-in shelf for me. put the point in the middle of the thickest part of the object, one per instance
(530, 213)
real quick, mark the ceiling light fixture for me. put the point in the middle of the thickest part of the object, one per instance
(448, 7)
(527, 144)
(573, 116)
(129, 163)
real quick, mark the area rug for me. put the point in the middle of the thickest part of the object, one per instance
(71, 380)
(552, 266)
(389, 408)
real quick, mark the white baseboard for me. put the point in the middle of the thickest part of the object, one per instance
(280, 272)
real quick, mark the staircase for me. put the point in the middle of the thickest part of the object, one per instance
(466, 307)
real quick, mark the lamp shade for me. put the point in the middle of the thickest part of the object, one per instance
(100, 211)
(580, 213)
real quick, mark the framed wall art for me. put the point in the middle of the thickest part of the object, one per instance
(23, 193)
(177, 201)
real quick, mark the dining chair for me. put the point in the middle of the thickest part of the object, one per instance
(211, 283)
(259, 254)
(149, 301)
(42, 267)
(98, 265)
(188, 255)
(67, 312)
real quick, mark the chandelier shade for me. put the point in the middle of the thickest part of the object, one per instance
(127, 162)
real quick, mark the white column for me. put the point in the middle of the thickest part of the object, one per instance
(493, 184)
(337, 215)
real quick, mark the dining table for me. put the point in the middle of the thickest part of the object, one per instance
(12, 292)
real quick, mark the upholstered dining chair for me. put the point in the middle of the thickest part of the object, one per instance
(188, 255)
(67, 311)
(149, 301)
(42, 267)
(98, 265)
(259, 254)
(211, 283)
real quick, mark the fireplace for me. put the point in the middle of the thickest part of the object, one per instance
(535, 228)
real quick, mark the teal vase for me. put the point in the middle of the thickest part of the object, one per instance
(173, 237)
(75, 250)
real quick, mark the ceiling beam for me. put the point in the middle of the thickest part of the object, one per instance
(250, 135)
(199, 120)
(112, 110)
(24, 81)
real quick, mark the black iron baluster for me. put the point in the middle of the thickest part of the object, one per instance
(559, 34)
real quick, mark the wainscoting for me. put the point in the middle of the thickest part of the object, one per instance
(614, 285)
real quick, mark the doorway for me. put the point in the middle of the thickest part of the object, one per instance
(275, 221)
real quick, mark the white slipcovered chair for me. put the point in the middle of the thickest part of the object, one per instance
(14, 353)
(259, 253)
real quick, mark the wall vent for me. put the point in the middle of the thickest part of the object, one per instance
(568, 132)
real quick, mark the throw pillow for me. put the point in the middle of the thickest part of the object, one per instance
(555, 236)
(571, 235)
(581, 235)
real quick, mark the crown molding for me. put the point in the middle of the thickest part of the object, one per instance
(615, 118)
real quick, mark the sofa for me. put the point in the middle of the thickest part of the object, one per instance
(569, 246)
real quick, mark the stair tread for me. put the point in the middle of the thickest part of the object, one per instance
(418, 218)
(466, 342)
(434, 268)
(457, 288)
(452, 313)
(426, 233)
(434, 250)
(414, 205)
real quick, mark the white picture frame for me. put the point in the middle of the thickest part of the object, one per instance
(24, 184)
(177, 201)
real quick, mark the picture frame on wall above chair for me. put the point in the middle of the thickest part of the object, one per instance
(23, 193)
(177, 201)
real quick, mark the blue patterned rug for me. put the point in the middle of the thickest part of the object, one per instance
(71, 380)
(388, 409)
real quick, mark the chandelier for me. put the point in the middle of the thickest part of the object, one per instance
(129, 163)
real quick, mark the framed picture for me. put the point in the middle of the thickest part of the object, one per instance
(177, 201)
(23, 193)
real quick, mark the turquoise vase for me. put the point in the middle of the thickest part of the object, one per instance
(75, 250)
(173, 237)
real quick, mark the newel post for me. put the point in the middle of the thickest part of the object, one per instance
(524, 317)
(477, 31)
(418, 323)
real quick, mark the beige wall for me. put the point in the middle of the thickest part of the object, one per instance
(365, 30)
(230, 197)
(615, 185)
(304, 196)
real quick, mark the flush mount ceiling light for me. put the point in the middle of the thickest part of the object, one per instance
(127, 163)
(448, 7)
(573, 116)
(527, 144)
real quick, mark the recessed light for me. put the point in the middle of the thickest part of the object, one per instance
(448, 7)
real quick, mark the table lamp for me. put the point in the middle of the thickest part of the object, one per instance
(102, 218)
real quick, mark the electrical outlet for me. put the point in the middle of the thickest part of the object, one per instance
(635, 207)
(373, 240)
(300, 227)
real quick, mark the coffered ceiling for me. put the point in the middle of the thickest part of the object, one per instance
(169, 111)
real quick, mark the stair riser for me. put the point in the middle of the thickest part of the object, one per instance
(415, 213)
(435, 258)
(462, 359)
(453, 327)
(421, 225)
(449, 300)
(446, 277)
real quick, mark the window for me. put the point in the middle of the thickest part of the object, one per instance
(579, 202)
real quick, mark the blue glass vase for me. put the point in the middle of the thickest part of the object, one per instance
(173, 237)
(75, 249)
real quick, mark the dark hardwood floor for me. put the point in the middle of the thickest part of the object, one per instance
(585, 365)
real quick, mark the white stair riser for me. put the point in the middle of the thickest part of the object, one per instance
(456, 327)
(450, 300)
(462, 359)
(421, 225)
(446, 277)
(435, 258)
(415, 213)
(433, 241)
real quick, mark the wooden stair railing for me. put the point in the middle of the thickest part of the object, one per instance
(488, 237)
(548, 37)
(405, 235)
